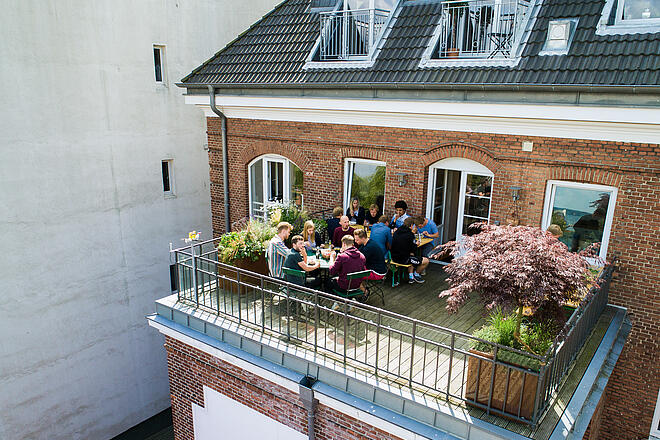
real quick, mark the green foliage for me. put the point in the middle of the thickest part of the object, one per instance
(369, 190)
(248, 242)
(500, 328)
(291, 213)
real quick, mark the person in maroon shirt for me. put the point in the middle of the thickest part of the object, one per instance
(348, 261)
(343, 229)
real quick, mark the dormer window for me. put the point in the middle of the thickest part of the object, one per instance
(643, 10)
(629, 17)
(352, 31)
(481, 29)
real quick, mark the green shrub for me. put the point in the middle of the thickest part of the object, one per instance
(500, 328)
(249, 242)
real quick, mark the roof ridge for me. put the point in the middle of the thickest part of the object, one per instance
(238, 37)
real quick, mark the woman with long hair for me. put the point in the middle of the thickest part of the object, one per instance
(310, 236)
(355, 212)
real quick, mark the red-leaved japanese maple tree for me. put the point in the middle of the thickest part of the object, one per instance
(514, 267)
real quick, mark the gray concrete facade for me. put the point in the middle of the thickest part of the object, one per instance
(85, 225)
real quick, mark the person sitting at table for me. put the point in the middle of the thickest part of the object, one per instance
(375, 259)
(428, 229)
(381, 235)
(343, 229)
(404, 248)
(348, 261)
(312, 239)
(400, 208)
(371, 217)
(355, 212)
(333, 223)
(277, 251)
(297, 259)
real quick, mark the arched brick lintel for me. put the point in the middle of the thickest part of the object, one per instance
(464, 150)
(291, 152)
(586, 175)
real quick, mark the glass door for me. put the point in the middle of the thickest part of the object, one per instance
(439, 197)
(476, 201)
(459, 194)
(273, 179)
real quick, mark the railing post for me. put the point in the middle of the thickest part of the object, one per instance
(194, 272)
(288, 314)
(238, 294)
(372, 18)
(377, 339)
(492, 380)
(412, 352)
(537, 398)
(263, 306)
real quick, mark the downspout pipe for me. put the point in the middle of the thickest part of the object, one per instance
(306, 394)
(225, 164)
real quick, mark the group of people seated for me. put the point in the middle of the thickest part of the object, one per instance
(357, 250)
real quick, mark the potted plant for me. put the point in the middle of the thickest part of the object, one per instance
(246, 248)
(294, 215)
(514, 268)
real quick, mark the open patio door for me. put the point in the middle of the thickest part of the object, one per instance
(459, 194)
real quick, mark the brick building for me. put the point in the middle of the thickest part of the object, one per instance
(471, 111)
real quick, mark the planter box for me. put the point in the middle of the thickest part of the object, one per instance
(477, 387)
(259, 266)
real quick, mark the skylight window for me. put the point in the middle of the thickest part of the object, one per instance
(639, 10)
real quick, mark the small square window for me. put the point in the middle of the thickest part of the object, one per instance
(174, 280)
(167, 170)
(159, 64)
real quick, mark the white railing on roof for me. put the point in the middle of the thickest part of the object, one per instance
(481, 28)
(350, 34)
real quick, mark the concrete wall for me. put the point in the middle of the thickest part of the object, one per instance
(84, 223)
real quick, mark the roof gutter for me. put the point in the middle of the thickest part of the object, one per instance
(225, 174)
(434, 86)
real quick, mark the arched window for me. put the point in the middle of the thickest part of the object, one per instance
(273, 178)
(459, 194)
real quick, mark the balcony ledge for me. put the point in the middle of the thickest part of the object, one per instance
(391, 403)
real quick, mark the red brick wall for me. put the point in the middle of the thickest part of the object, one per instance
(190, 369)
(320, 149)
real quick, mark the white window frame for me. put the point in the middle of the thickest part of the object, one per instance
(607, 228)
(623, 27)
(170, 176)
(465, 166)
(633, 21)
(655, 424)
(163, 73)
(286, 184)
(348, 173)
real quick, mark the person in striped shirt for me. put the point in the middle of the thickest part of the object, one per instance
(277, 250)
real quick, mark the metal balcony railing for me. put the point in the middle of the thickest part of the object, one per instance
(350, 34)
(481, 28)
(507, 382)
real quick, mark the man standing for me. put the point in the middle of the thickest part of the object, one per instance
(297, 259)
(428, 229)
(375, 259)
(348, 261)
(404, 248)
(277, 251)
(343, 229)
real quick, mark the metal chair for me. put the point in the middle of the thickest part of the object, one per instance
(354, 292)
(376, 287)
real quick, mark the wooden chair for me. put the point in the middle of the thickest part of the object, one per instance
(398, 270)
(354, 279)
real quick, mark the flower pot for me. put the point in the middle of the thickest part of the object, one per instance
(478, 382)
(259, 266)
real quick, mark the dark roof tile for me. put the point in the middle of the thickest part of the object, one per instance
(274, 51)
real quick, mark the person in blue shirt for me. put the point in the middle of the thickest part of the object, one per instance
(381, 234)
(428, 229)
(400, 208)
